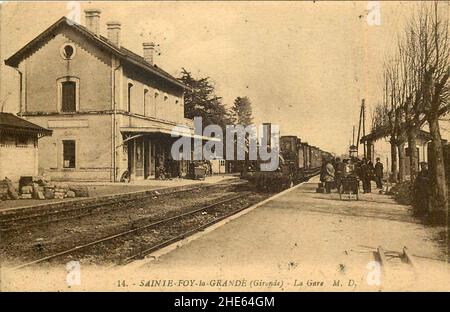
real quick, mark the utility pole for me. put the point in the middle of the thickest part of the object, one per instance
(352, 150)
(363, 108)
(353, 137)
(362, 124)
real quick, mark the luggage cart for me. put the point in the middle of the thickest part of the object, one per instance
(350, 186)
(199, 173)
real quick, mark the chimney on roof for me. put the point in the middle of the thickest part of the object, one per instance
(93, 20)
(114, 32)
(149, 48)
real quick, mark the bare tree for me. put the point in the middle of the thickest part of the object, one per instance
(419, 87)
(417, 91)
(433, 24)
(410, 99)
(396, 92)
(389, 117)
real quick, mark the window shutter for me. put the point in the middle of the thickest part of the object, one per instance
(69, 154)
(68, 96)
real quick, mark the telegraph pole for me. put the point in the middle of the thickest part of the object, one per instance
(362, 124)
(353, 137)
(363, 109)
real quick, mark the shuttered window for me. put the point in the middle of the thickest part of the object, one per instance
(130, 89)
(69, 154)
(146, 108)
(68, 96)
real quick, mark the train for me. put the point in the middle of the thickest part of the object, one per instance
(298, 161)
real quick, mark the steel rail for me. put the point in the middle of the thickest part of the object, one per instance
(117, 235)
(180, 236)
(92, 209)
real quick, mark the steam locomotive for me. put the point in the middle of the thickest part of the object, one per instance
(298, 161)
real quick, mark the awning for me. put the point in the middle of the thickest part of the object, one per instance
(179, 131)
(13, 124)
(383, 133)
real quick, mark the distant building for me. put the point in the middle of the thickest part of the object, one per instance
(110, 109)
(380, 147)
(19, 147)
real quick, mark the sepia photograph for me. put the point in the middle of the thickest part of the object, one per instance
(245, 147)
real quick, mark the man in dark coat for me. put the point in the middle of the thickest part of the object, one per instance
(422, 190)
(366, 172)
(339, 168)
(379, 173)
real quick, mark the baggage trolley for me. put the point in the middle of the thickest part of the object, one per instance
(350, 186)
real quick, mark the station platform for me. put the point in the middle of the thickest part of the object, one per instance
(109, 190)
(298, 240)
(305, 241)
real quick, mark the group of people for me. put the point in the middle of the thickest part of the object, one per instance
(335, 170)
(368, 172)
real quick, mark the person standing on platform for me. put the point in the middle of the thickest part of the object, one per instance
(347, 168)
(329, 176)
(366, 172)
(422, 191)
(339, 168)
(379, 173)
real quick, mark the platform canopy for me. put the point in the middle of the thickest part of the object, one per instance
(379, 134)
(186, 132)
(10, 123)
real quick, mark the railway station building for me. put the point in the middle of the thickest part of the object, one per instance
(379, 146)
(110, 109)
(19, 147)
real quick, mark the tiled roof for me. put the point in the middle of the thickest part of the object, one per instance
(121, 52)
(10, 121)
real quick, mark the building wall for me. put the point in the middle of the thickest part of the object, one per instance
(164, 103)
(91, 66)
(17, 160)
(218, 166)
(90, 126)
(382, 149)
(103, 83)
(92, 134)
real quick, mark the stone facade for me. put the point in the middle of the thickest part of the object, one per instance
(19, 147)
(18, 158)
(123, 105)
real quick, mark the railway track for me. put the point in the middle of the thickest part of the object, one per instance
(10, 222)
(176, 228)
(394, 263)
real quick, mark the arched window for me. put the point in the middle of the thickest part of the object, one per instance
(156, 104)
(146, 102)
(68, 94)
(130, 89)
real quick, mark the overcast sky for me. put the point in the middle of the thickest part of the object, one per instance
(304, 65)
